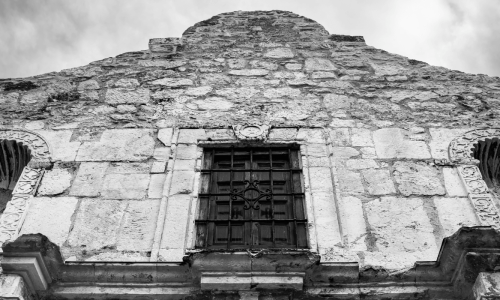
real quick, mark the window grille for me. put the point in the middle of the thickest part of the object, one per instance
(488, 154)
(251, 198)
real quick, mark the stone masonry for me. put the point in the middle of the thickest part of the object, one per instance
(127, 136)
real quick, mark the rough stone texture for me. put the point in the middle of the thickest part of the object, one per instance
(279, 53)
(125, 186)
(116, 145)
(89, 179)
(139, 224)
(378, 182)
(176, 222)
(350, 182)
(119, 96)
(453, 183)
(402, 231)
(440, 142)
(51, 217)
(97, 224)
(454, 213)
(394, 143)
(319, 64)
(62, 148)
(55, 182)
(417, 179)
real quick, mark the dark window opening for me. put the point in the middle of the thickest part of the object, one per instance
(488, 154)
(14, 156)
(251, 198)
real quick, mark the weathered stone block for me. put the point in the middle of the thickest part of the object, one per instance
(55, 182)
(129, 168)
(198, 91)
(283, 134)
(453, 183)
(182, 183)
(350, 182)
(213, 103)
(186, 152)
(344, 152)
(139, 224)
(184, 164)
(400, 227)
(321, 179)
(311, 135)
(50, 217)
(319, 64)
(335, 102)
(121, 96)
(97, 224)
(88, 180)
(174, 232)
(353, 223)
(165, 136)
(62, 149)
(158, 167)
(340, 136)
(359, 164)
(361, 137)
(454, 213)
(326, 219)
(161, 153)
(393, 143)
(236, 93)
(119, 145)
(279, 53)
(156, 184)
(191, 136)
(125, 186)
(441, 139)
(282, 92)
(249, 72)
(417, 179)
(378, 182)
(173, 82)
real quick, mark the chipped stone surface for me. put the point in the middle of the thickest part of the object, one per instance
(117, 145)
(441, 139)
(249, 72)
(139, 223)
(62, 148)
(89, 179)
(417, 179)
(454, 213)
(119, 96)
(453, 184)
(51, 217)
(165, 136)
(97, 224)
(394, 143)
(279, 53)
(334, 101)
(353, 223)
(319, 64)
(401, 228)
(55, 182)
(173, 82)
(125, 186)
(378, 182)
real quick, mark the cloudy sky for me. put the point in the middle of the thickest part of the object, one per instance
(42, 36)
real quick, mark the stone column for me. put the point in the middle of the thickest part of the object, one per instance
(12, 287)
(487, 286)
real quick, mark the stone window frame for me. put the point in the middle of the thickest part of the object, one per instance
(15, 212)
(262, 141)
(461, 156)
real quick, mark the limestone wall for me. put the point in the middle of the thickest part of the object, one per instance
(127, 135)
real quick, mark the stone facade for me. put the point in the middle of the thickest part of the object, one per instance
(118, 146)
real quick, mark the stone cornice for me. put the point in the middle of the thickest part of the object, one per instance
(462, 257)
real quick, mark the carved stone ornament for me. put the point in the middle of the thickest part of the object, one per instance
(251, 132)
(15, 211)
(461, 153)
(40, 149)
(460, 149)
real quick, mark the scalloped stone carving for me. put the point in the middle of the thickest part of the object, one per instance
(251, 132)
(460, 149)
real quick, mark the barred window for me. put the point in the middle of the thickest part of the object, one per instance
(251, 198)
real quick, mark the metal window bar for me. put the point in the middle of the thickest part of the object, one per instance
(253, 221)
